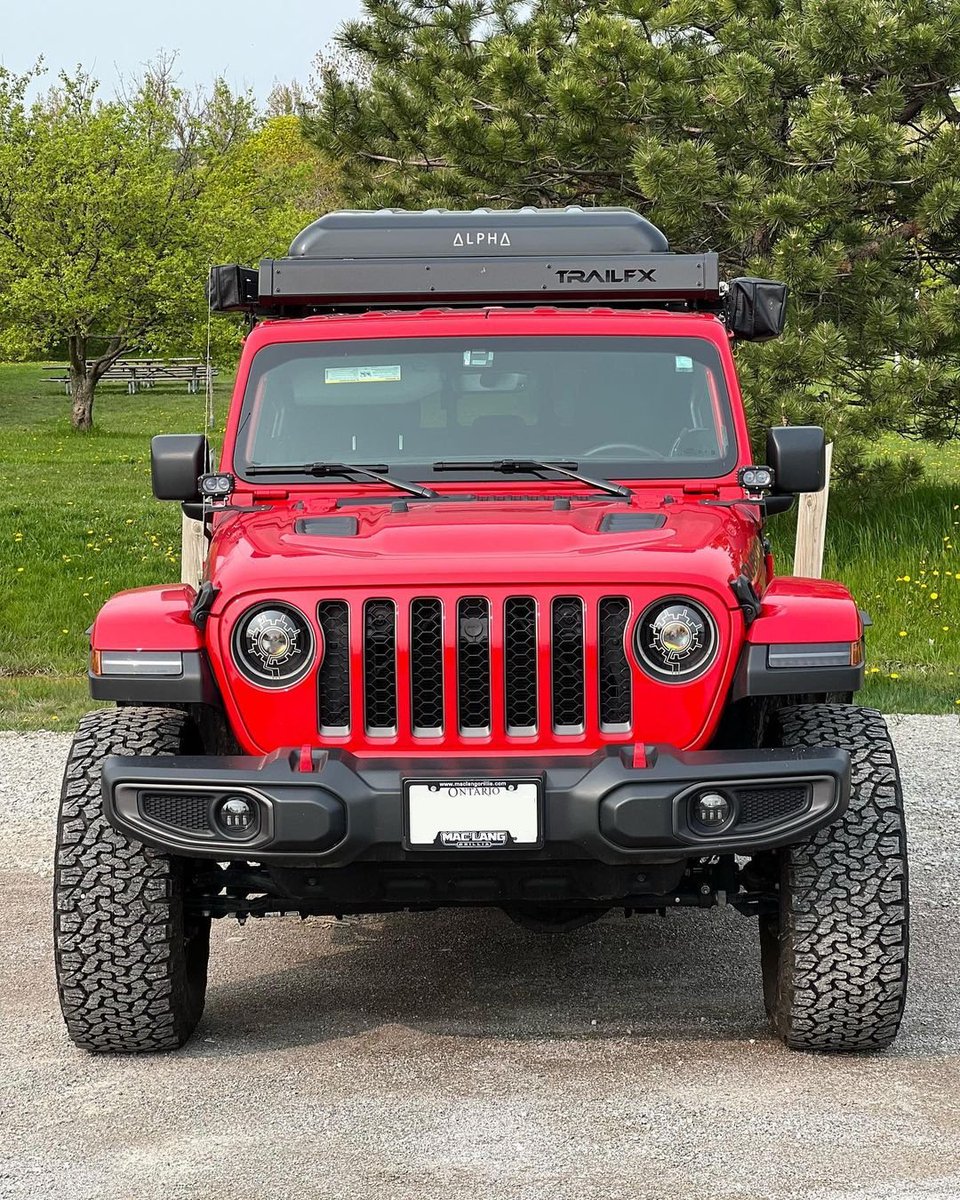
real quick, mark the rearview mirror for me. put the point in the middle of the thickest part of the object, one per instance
(177, 460)
(797, 454)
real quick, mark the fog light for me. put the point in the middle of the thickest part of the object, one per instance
(216, 487)
(236, 814)
(756, 479)
(713, 809)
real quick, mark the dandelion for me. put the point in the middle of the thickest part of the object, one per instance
(903, 633)
(894, 675)
(934, 595)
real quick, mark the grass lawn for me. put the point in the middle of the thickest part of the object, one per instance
(78, 522)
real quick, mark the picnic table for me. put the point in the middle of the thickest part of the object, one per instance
(141, 373)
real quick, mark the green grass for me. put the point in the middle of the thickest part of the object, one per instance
(78, 523)
(899, 557)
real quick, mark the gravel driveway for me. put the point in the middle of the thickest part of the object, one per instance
(456, 1055)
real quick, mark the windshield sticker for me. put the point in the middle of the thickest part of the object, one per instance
(362, 375)
(478, 358)
(684, 363)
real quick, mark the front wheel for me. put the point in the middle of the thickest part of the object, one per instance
(834, 957)
(131, 961)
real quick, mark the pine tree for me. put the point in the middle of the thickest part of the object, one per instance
(814, 141)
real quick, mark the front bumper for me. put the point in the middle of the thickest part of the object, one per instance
(333, 809)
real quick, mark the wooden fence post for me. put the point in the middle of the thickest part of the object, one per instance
(193, 551)
(812, 527)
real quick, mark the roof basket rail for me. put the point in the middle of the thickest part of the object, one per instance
(393, 258)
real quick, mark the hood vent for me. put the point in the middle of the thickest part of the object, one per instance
(327, 526)
(631, 522)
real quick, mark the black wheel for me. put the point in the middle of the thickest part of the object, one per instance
(131, 966)
(835, 958)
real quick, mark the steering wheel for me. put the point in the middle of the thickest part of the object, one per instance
(644, 451)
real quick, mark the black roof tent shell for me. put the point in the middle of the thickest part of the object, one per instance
(348, 261)
(441, 233)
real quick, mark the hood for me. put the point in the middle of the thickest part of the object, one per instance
(664, 540)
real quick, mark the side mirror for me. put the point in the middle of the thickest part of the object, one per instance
(177, 460)
(756, 308)
(797, 454)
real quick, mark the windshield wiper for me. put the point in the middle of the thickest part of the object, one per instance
(516, 466)
(369, 470)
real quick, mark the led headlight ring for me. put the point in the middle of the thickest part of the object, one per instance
(274, 645)
(675, 639)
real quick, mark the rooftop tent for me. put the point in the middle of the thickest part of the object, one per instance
(439, 233)
(394, 258)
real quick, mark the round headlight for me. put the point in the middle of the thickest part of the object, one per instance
(675, 639)
(274, 645)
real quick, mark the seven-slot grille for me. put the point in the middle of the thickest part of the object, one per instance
(471, 667)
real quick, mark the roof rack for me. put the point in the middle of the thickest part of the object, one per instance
(350, 261)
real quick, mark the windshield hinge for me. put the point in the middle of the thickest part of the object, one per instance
(262, 494)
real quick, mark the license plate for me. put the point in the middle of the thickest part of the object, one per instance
(473, 814)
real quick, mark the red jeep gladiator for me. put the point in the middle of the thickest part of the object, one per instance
(488, 618)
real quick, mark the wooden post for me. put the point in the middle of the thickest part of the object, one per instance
(812, 527)
(193, 551)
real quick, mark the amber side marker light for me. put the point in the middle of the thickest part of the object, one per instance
(136, 662)
(815, 654)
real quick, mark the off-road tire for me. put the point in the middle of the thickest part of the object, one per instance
(131, 966)
(835, 959)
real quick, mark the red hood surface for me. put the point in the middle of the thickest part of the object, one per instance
(492, 541)
(493, 547)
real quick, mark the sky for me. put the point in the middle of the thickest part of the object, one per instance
(253, 43)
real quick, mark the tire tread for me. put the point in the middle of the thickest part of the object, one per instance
(119, 939)
(842, 964)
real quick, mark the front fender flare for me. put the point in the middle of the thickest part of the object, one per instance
(152, 619)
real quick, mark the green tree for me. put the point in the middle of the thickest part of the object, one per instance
(272, 185)
(815, 141)
(111, 212)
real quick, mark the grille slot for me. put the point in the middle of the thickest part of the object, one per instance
(380, 667)
(333, 678)
(615, 682)
(180, 810)
(473, 666)
(759, 805)
(426, 667)
(568, 672)
(468, 666)
(520, 664)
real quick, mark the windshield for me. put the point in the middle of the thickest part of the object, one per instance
(617, 406)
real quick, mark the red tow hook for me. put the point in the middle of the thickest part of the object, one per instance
(305, 761)
(639, 757)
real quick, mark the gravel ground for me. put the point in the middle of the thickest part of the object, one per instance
(456, 1055)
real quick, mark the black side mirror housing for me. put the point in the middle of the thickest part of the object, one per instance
(797, 454)
(177, 460)
(756, 308)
